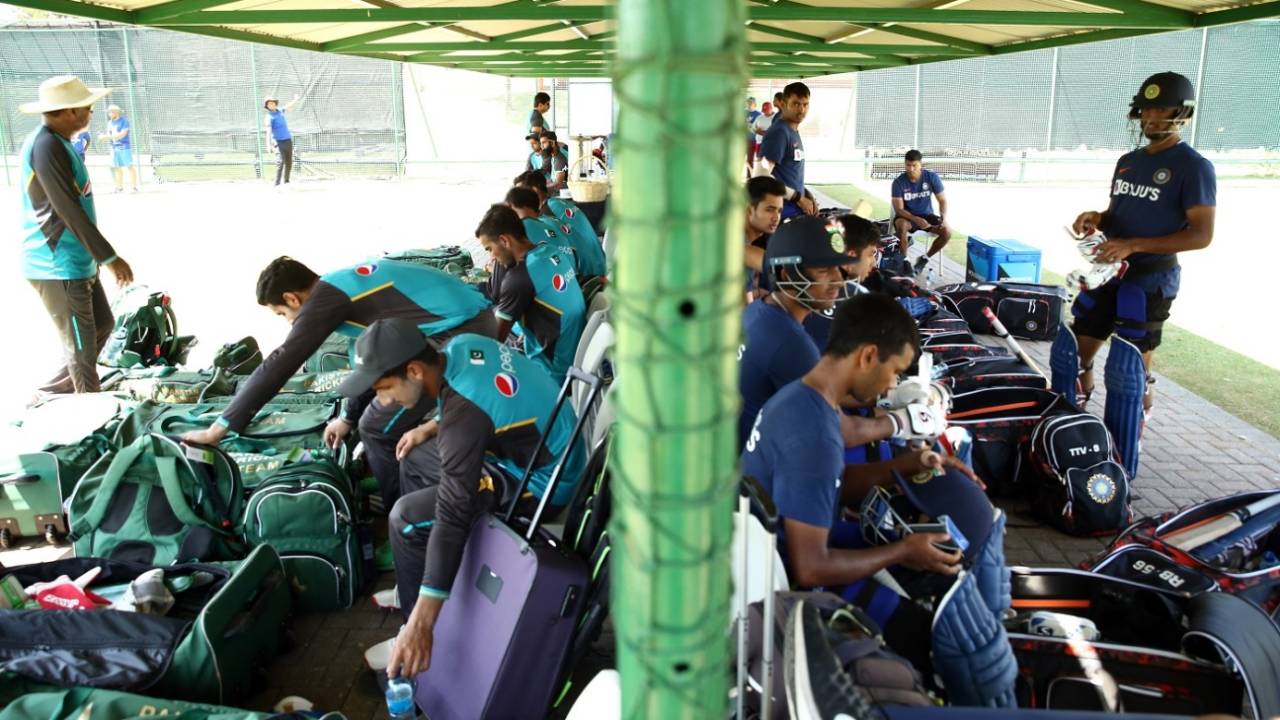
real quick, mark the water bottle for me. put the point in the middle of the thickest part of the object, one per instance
(400, 700)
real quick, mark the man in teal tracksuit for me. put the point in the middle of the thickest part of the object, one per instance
(535, 285)
(347, 301)
(62, 247)
(565, 215)
(493, 405)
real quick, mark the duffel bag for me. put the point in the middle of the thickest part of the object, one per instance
(157, 501)
(145, 335)
(1030, 311)
(226, 624)
(1001, 419)
(1229, 544)
(307, 512)
(448, 258)
(1139, 648)
(27, 700)
(1074, 477)
(964, 375)
(333, 354)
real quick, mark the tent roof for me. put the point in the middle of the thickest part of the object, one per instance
(564, 38)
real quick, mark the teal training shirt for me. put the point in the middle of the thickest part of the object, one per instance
(60, 238)
(542, 294)
(573, 222)
(434, 299)
(518, 395)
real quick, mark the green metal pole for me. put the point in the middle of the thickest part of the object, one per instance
(257, 119)
(397, 109)
(677, 209)
(133, 108)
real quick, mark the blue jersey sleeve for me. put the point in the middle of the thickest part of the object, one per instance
(1200, 186)
(899, 187)
(774, 145)
(806, 482)
(935, 181)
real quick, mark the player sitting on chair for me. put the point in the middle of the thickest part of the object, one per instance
(913, 193)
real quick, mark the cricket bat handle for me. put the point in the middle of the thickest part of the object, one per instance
(1003, 333)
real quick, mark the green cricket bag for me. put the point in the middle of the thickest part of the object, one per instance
(25, 701)
(321, 384)
(146, 336)
(239, 358)
(227, 623)
(450, 258)
(156, 501)
(288, 429)
(334, 354)
(306, 511)
(31, 499)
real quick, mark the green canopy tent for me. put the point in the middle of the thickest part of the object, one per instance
(678, 66)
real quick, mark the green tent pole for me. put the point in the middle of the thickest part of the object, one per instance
(676, 296)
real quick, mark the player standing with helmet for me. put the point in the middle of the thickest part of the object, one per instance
(1162, 203)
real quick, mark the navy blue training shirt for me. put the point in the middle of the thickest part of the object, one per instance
(796, 451)
(783, 147)
(917, 196)
(775, 351)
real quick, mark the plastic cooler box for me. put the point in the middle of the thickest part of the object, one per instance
(992, 260)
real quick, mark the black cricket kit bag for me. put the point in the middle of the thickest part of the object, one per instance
(226, 623)
(1001, 419)
(1030, 311)
(1090, 642)
(1074, 478)
(503, 634)
(964, 375)
(1229, 544)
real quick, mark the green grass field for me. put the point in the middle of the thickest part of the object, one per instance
(1238, 384)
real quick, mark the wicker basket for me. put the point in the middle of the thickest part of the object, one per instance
(595, 188)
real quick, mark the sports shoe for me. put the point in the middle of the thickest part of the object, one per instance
(383, 559)
(387, 599)
(818, 688)
(921, 263)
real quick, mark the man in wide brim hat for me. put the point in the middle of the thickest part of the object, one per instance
(62, 247)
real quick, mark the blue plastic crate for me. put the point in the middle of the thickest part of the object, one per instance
(991, 260)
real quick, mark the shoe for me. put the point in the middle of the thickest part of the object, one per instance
(921, 263)
(383, 558)
(387, 599)
(818, 688)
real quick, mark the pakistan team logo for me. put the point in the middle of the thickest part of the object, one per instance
(1162, 176)
(1101, 488)
(1151, 92)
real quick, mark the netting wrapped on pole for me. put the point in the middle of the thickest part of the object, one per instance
(676, 210)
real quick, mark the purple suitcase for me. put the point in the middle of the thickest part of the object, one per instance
(504, 633)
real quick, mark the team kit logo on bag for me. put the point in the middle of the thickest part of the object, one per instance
(367, 269)
(1101, 488)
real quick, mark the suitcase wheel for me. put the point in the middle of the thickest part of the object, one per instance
(51, 534)
(6, 538)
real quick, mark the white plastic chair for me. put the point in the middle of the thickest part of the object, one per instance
(601, 699)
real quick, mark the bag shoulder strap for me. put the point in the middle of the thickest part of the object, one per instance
(120, 464)
(1243, 635)
(167, 467)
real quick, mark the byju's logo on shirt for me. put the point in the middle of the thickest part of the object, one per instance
(1123, 187)
(506, 384)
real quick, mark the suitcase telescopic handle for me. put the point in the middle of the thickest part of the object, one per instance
(761, 504)
(594, 385)
(19, 479)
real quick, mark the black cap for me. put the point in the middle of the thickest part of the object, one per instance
(532, 136)
(382, 347)
(1164, 90)
(808, 242)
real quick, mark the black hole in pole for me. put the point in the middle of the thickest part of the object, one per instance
(681, 668)
(687, 308)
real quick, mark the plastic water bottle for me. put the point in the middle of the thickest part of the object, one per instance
(400, 700)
